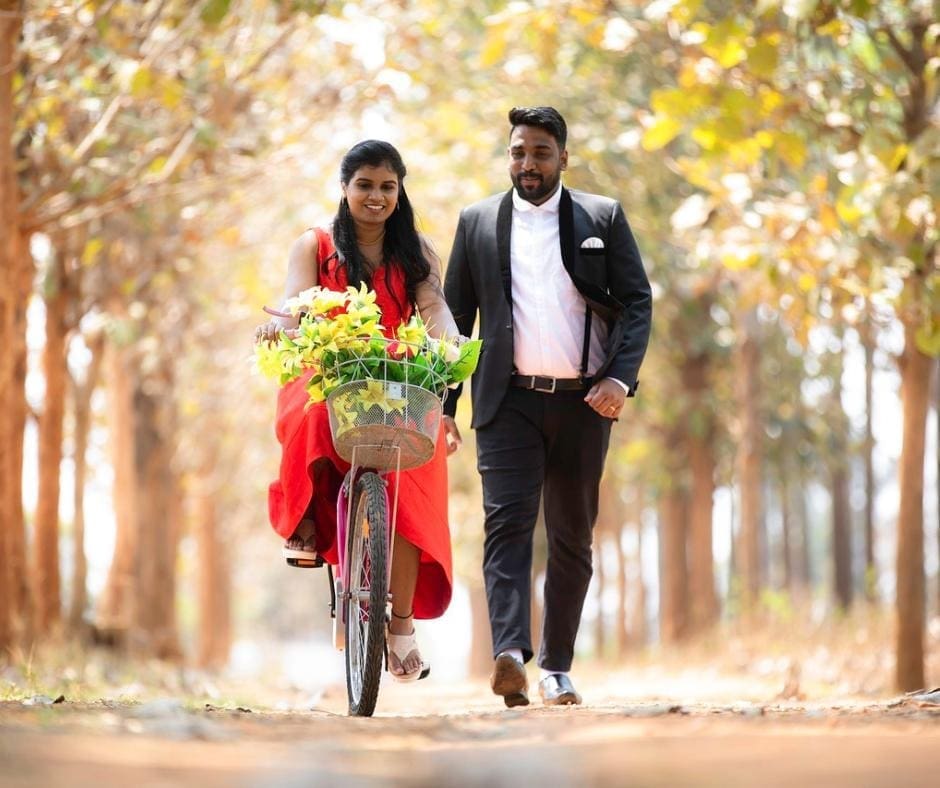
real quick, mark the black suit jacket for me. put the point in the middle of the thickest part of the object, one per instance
(611, 280)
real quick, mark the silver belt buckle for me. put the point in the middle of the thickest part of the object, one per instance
(543, 390)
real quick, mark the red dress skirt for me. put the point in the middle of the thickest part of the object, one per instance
(311, 471)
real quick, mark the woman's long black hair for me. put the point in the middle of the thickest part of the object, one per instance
(402, 245)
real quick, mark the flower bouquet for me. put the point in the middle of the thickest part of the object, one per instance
(383, 394)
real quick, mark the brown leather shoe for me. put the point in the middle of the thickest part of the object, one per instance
(509, 680)
(557, 690)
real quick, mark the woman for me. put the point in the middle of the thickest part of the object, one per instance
(372, 239)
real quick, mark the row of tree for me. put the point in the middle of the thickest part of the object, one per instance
(123, 124)
(778, 164)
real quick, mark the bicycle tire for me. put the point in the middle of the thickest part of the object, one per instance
(368, 580)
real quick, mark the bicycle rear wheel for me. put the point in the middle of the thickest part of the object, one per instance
(367, 594)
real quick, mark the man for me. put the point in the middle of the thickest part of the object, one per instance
(565, 310)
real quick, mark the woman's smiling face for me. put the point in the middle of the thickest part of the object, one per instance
(372, 194)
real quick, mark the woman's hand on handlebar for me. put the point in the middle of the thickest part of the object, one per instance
(268, 332)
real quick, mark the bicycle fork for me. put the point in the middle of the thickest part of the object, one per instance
(339, 594)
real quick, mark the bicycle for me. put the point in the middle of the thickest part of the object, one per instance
(379, 424)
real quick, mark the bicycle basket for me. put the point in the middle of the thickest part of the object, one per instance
(390, 425)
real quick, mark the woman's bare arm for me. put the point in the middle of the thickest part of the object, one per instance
(301, 275)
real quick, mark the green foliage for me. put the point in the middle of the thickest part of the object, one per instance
(214, 11)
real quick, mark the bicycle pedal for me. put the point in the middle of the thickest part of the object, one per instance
(305, 563)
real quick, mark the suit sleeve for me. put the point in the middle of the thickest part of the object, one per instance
(628, 283)
(461, 297)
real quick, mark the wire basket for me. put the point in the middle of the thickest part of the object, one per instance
(391, 424)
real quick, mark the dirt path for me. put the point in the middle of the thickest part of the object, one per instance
(439, 735)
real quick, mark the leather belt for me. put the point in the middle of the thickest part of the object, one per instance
(549, 385)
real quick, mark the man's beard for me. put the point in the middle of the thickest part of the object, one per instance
(535, 193)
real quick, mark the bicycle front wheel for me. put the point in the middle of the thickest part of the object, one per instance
(367, 594)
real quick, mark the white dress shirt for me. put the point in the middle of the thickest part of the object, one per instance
(547, 309)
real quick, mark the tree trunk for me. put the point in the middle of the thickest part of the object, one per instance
(805, 555)
(607, 530)
(638, 619)
(621, 632)
(868, 451)
(915, 369)
(214, 584)
(748, 461)
(839, 481)
(704, 602)
(81, 399)
(480, 658)
(699, 439)
(915, 384)
(116, 611)
(937, 411)
(600, 581)
(673, 593)
(16, 272)
(158, 524)
(786, 526)
(46, 588)
(841, 535)
(9, 210)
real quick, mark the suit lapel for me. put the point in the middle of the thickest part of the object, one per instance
(503, 233)
(566, 233)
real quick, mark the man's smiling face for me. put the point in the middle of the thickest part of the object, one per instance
(535, 163)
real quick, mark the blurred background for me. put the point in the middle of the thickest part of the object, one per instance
(771, 496)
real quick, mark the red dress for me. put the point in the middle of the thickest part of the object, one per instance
(312, 471)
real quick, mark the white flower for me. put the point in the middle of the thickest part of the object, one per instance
(445, 349)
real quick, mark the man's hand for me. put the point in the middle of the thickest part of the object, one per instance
(451, 435)
(607, 398)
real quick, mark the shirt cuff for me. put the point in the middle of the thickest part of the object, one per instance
(622, 385)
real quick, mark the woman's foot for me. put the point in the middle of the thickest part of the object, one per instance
(404, 659)
(301, 546)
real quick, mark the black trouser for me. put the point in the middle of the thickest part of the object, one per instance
(537, 440)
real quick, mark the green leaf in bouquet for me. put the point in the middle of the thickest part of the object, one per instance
(392, 370)
(464, 366)
(350, 374)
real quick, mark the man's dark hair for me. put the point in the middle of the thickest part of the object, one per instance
(546, 118)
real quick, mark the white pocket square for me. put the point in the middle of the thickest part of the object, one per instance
(592, 243)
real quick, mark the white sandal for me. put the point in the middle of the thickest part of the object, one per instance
(401, 646)
(303, 553)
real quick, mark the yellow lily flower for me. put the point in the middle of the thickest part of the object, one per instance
(412, 332)
(345, 411)
(375, 394)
